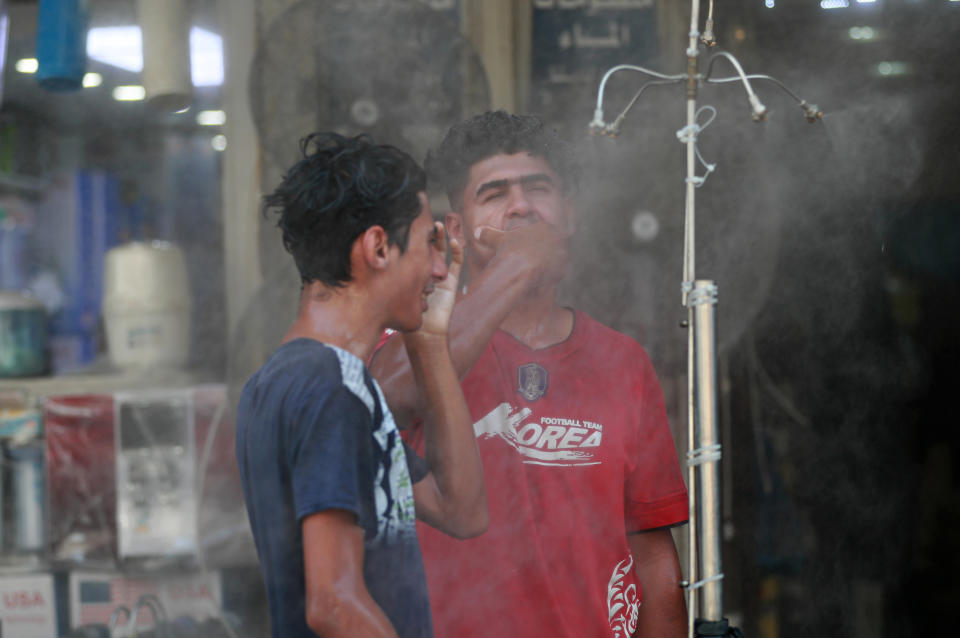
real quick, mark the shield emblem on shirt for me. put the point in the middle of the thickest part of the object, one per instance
(532, 381)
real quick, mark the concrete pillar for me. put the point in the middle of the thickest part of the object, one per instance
(501, 32)
(241, 163)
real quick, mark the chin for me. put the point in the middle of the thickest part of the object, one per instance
(407, 325)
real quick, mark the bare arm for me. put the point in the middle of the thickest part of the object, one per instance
(337, 601)
(524, 258)
(452, 496)
(664, 612)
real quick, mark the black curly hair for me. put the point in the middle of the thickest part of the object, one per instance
(493, 133)
(342, 187)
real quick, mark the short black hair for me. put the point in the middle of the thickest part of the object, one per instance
(341, 187)
(494, 133)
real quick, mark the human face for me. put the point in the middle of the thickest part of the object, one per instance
(510, 191)
(415, 271)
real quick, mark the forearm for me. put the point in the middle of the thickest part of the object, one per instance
(476, 316)
(337, 601)
(663, 613)
(450, 444)
(339, 614)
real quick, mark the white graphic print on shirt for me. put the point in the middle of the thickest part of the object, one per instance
(392, 487)
(549, 441)
(623, 606)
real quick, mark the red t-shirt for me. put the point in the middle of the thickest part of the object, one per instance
(576, 452)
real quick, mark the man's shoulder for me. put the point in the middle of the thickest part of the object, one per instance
(305, 352)
(298, 367)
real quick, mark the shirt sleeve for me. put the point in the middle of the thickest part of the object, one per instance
(329, 453)
(655, 492)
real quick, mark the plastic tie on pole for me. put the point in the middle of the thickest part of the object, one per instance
(703, 455)
(702, 295)
(689, 133)
(693, 51)
(704, 582)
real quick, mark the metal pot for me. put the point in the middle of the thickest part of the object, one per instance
(23, 335)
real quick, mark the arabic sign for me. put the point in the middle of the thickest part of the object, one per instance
(574, 40)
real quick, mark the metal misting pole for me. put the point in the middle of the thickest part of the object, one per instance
(689, 259)
(704, 576)
(704, 450)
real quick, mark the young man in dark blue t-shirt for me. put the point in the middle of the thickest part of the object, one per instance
(331, 490)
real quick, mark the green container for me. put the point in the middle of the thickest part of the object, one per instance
(23, 336)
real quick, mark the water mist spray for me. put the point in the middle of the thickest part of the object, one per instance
(703, 585)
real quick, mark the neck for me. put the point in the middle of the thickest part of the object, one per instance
(538, 321)
(336, 316)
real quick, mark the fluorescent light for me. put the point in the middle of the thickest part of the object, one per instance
(121, 47)
(129, 93)
(891, 69)
(834, 4)
(866, 1)
(211, 118)
(91, 80)
(219, 142)
(206, 57)
(862, 33)
(769, 3)
(27, 65)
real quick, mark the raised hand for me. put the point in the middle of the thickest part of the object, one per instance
(539, 248)
(436, 320)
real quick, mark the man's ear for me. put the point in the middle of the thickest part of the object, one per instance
(454, 224)
(373, 246)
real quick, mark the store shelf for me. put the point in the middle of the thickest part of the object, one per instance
(23, 184)
(100, 383)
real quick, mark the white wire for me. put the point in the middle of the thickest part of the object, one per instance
(630, 67)
(614, 127)
(737, 68)
(713, 115)
(756, 76)
(693, 131)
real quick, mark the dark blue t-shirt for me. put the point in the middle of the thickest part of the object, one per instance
(314, 433)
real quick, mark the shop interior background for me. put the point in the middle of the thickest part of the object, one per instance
(835, 246)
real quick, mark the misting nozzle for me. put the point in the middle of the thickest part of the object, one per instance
(708, 38)
(598, 126)
(811, 111)
(759, 110)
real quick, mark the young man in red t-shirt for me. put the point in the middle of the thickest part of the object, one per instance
(581, 471)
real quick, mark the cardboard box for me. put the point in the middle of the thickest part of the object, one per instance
(27, 606)
(94, 595)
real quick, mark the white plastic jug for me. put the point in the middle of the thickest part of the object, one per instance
(146, 305)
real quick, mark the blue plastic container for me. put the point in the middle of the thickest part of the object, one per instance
(61, 44)
(23, 336)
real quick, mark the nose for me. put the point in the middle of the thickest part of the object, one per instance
(518, 205)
